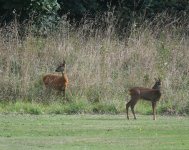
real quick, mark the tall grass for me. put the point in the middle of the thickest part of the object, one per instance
(100, 66)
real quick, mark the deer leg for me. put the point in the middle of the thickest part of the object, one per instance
(132, 109)
(64, 93)
(48, 91)
(127, 108)
(154, 110)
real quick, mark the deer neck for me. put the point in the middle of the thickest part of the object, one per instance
(62, 74)
(156, 86)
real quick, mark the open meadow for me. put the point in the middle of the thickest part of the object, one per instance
(68, 68)
(101, 66)
(93, 132)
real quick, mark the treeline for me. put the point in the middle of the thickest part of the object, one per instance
(45, 14)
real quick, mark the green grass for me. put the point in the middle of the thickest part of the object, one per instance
(76, 107)
(93, 132)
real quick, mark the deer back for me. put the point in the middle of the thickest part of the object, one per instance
(145, 93)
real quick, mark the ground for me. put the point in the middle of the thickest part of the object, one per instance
(91, 132)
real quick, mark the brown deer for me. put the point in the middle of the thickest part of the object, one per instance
(57, 82)
(153, 95)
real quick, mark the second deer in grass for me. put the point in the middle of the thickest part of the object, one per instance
(153, 95)
(57, 82)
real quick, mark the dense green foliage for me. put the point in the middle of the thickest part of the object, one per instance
(93, 132)
(46, 13)
(42, 13)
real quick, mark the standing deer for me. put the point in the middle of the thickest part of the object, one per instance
(57, 82)
(153, 95)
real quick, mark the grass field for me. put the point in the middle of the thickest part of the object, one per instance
(91, 132)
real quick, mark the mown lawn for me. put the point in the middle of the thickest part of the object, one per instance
(93, 132)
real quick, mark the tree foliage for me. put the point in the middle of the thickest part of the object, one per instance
(46, 13)
(43, 13)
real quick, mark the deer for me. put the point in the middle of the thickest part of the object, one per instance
(57, 82)
(150, 94)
